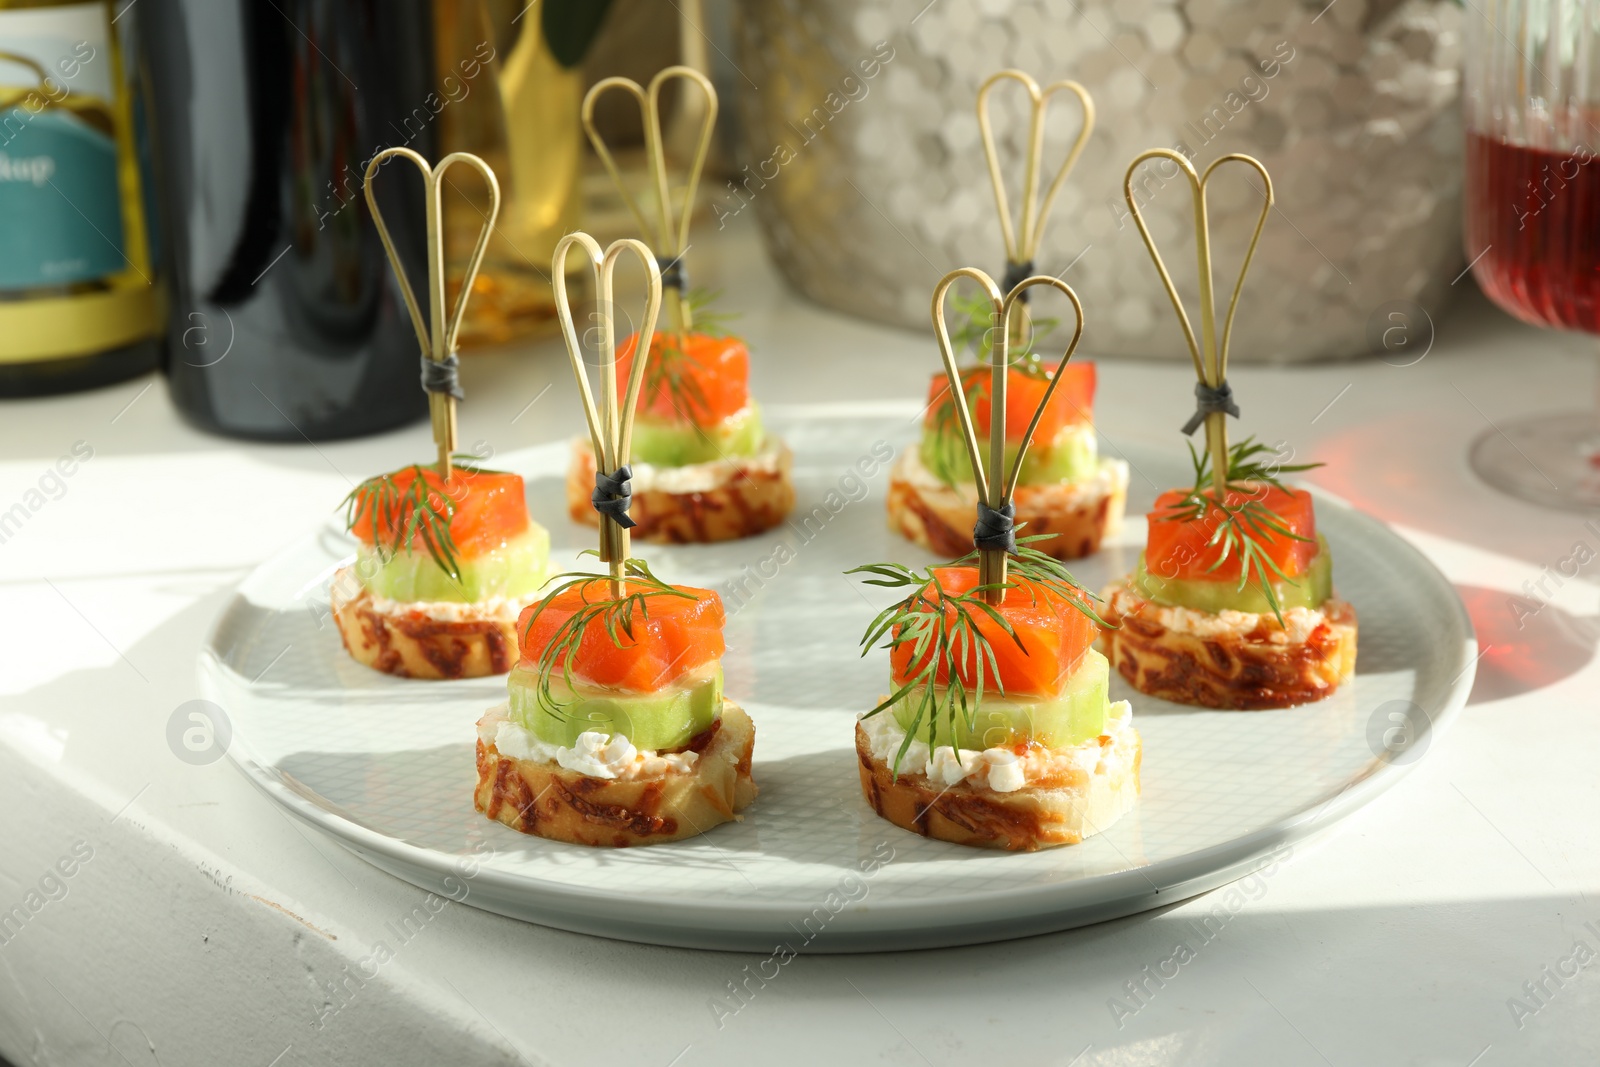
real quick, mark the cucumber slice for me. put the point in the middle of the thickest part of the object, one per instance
(1071, 457)
(678, 444)
(1076, 715)
(514, 570)
(1309, 590)
(661, 720)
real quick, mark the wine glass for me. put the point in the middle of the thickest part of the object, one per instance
(1532, 114)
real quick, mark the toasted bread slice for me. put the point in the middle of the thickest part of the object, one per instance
(1231, 660)
(704, 502)
(1060, 811)
(546, 799)
(472, 641)
(1078, 515)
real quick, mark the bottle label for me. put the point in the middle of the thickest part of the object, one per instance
(60, 203)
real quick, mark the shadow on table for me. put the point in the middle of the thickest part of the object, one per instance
(1433, 982)
(1125, 988)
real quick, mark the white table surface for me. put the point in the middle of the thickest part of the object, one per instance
(206, 928)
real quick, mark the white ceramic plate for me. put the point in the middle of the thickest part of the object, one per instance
(385, 766)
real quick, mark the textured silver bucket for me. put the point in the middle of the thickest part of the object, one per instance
(863, 161)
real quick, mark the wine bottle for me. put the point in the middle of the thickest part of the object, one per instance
(78, 299)
(286, 322)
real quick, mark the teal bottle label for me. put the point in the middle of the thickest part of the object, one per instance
(60, 196)
(60, 212)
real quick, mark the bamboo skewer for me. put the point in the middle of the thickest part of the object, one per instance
(611, 422)
(437, 336)
(995, 487)
(671, 231)
(1210, 355)
(1022, 240)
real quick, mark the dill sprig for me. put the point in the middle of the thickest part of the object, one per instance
(1242, 528)
(616, 614)
(420, 511)
(706, 321)
(670, 371)
(930, 619)
(977, 313)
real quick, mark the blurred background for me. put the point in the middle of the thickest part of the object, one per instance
(214, 224)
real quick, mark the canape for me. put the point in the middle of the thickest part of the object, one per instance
(1067, 493)
(1028, 754)
(616, 731)
(1069, 497)
(444, 567)
(1232, 606)
(1232, 603)
(705, 468)
(448, 556)
(1000, 731)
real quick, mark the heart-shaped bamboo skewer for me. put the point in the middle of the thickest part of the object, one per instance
(1210, 357)
(995, 487)
(610, 429)
(437, 335)
(1022, 240)
(671, 232)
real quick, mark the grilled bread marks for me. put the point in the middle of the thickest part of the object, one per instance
(1025, 820)
(544, 798)
(411, 644)
(1237, 662)
(739, 498)
(938, 517)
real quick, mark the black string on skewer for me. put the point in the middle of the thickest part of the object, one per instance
(443, 376)
(613, 495)
(1016, 274)
(674, 275)
(1209, 401)
(996, 528)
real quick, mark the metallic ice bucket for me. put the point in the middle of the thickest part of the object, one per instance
(862, 158)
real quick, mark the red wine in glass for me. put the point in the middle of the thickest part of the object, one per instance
(1534, 214)
(1533, 235)
(1531, 104)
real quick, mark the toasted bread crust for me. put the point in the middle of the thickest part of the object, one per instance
(1246, 672)
(750, 500)
(940, 518)
(550, 801)
(412, 645)
(1026, 820)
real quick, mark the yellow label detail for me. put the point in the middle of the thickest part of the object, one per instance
(67, 326)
